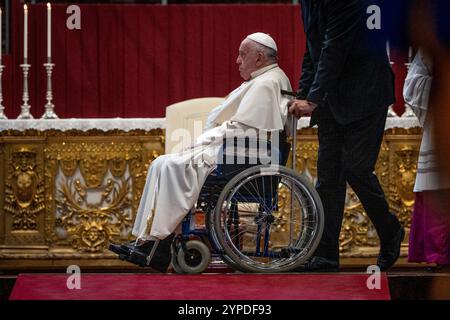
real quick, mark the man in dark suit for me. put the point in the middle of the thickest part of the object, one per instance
(347, 84)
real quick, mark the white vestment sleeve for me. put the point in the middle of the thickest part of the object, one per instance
(416, 90)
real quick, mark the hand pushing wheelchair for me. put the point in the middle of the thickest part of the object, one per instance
(259, 215)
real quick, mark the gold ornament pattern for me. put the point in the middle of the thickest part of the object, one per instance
(24, 189)
(96, 192)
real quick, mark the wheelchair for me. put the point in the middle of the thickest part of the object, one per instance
(259, 216)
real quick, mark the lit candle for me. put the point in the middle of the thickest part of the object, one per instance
(25, 33)
(49, 30)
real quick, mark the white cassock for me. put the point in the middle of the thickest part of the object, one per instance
(174, 181)
(416, 93)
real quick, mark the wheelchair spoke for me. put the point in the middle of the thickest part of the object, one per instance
(254, 198)
(267, 220)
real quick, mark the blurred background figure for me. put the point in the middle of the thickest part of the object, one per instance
(429, 25)
(430, 30)
(430, 230)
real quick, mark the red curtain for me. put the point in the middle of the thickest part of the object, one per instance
(134, 60)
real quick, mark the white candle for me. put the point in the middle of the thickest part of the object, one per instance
(49, 30)
(25, 33)
(410, 54)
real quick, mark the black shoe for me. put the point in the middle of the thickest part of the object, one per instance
(161, 258)
(390, 251)
(118, 249)
(125, 249)
(318, 264)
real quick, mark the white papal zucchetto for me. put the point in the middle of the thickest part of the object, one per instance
(264, 39)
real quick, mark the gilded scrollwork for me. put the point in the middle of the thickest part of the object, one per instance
(382, 166)
(96, 187)
(357, 231)
(404, 169)
(90, 226)
(24, 189)
(307, 158)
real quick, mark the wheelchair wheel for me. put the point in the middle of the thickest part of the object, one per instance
(175, 265)
(196, 259)
(268, 219)
(215, 242)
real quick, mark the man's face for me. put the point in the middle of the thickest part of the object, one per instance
(248, 59)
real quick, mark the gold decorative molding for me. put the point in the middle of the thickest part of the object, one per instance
(24, 188)
(155, 133)
(404, 168)
(96, 187)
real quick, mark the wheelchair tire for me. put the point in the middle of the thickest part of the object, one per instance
(175, 265)
(251, 213)
(197, 258)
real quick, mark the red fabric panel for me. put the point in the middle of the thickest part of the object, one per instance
(399, 67)
(160, 62)
(133, 60)
(331, 286)
(68, 42)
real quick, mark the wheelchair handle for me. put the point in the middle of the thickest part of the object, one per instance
(293, 130)
(294, 141)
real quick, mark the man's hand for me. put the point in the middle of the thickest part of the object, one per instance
(301, 108)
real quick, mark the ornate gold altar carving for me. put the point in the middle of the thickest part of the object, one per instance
(24, 188)
(96, 190)
(405, 167)
(66, 195)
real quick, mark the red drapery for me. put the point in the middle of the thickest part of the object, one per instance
(133, 60)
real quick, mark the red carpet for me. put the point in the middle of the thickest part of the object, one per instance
(200, 287)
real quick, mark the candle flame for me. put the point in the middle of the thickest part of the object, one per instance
(25, 7)
(48, 5)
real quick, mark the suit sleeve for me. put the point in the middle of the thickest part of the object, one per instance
(343, 24)
(307, 76)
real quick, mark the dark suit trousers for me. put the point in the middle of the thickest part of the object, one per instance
(348, 153)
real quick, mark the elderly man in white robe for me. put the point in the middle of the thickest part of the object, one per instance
(174, 181)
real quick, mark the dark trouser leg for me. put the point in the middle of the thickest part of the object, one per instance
(331, 186)
(362, 144)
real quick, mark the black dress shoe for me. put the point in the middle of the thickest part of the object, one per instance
(390, 250)
(125, 249)
(117, 248)
(319, 264)
(146, 255)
